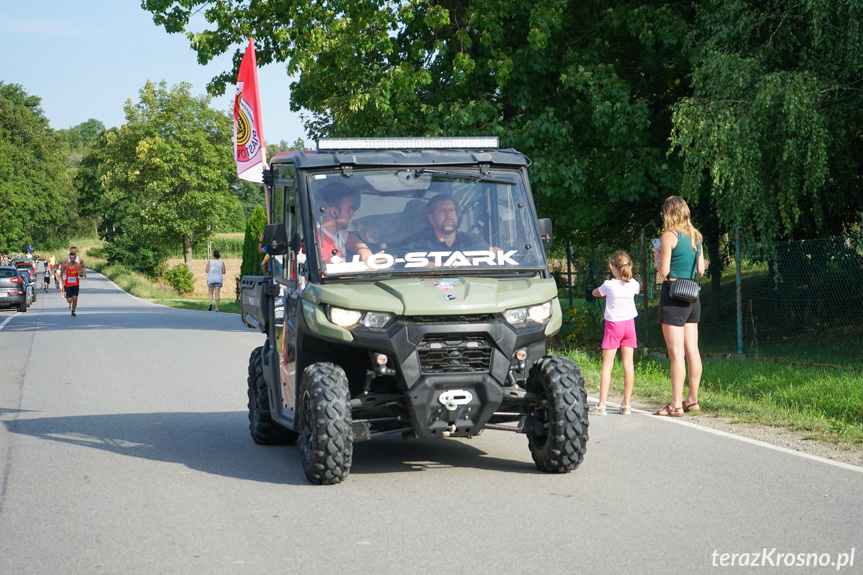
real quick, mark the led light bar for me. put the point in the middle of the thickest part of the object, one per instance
(482, 142)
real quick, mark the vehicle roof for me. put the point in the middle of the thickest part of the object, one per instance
(418, 157)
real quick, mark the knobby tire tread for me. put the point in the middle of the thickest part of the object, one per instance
(261, 425)
(327, 436)
(562, 449)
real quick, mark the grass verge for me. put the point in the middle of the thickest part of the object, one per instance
(141, 286)
(821, 403)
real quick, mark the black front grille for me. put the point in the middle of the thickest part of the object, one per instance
(477, 318)
(454, 354)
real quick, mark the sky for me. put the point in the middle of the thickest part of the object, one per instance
(85, 58)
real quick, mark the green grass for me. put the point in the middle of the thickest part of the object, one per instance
(225, 305)
(824, 403)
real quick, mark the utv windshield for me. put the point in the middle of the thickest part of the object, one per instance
(410, 221)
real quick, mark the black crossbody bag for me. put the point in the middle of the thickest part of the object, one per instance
(685, 289)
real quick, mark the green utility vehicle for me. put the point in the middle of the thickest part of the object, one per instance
(409, 294)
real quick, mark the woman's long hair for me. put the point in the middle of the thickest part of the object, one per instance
(675, 215)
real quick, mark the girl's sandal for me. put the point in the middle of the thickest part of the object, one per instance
(598, 410)
(693, 407)
(625, 410)
(669, 411)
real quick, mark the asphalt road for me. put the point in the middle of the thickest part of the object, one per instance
(124, 449)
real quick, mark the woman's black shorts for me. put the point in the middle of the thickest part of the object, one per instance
(676, 312)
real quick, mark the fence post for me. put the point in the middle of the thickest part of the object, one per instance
(569, 272)
(645, 276)
(739, 294)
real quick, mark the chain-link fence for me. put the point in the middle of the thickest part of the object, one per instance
(796, 300)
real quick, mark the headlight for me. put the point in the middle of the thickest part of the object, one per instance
(351, 317)
(520, 315)
(377, 319)
(539, 313)
(344, 317)
(516, 316)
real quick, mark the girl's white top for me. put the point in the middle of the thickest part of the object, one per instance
(620, 299)
(215, 274)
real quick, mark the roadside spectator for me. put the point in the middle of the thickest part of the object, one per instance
(680, 256)
(620, 314)
(215, 276)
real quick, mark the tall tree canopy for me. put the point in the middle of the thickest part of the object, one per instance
(581, 87)
(774, 127)
(34, 188)
(760, 98)
(162, 176)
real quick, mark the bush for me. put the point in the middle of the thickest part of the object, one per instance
(180, 279)
(582, 324)
(251, 258)
(126, 251)
(97, 252)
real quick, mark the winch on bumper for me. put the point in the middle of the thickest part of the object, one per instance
(453, 406)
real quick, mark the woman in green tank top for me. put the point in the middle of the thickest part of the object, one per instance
(679, 256)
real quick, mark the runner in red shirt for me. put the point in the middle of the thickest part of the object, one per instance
(73, 270)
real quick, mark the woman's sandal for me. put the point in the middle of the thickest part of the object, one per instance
(669, 411)
(625, 410)
(598, 410)
(691, 407)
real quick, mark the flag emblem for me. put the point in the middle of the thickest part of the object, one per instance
(250, 152)
(248, 143)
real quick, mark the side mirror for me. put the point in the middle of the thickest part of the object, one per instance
(276, 239)
(545, 232)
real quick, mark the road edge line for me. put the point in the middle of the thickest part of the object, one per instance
(758, 442)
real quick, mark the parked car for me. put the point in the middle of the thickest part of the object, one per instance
(13, 292)
(30, 282)
(25, 262)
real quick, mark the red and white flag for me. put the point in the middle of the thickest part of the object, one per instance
(251, 153)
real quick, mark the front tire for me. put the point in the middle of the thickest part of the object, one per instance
(264, 430)
(326, 439)
(557, 427)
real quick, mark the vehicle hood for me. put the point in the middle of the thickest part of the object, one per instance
(435, 296)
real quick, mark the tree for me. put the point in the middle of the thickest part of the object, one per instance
(250, 194)
(583, 88)
(79, 138)
(251, 265)
(284, 146)
(164, 174)
(34, 189)
(772, 136)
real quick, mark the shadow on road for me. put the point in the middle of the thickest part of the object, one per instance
(220, 444)
(122, 317)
